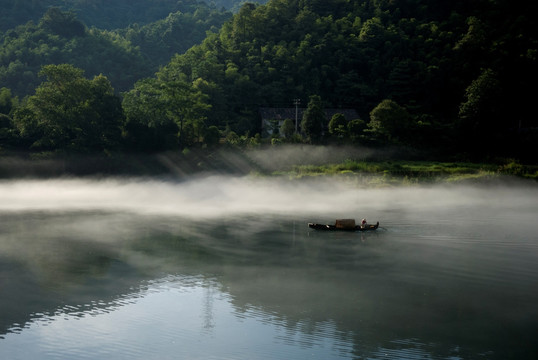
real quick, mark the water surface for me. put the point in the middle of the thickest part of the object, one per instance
(226, 268)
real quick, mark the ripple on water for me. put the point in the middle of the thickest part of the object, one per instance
(414, 349)
(422, 265)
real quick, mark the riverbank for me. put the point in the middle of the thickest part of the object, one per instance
(361, 165)
(414, 172)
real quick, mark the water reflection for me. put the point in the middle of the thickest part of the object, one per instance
(143, 285)
(170, 318)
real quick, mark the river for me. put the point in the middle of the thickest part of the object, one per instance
(223, 267)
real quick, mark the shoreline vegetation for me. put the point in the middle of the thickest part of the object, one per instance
(366, 170)
(436, 76)
(401, 172)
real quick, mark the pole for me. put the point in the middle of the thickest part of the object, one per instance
(296, 102)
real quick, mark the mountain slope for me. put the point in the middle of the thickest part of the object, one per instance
(104, 14)
(462, 66)
(124, 56)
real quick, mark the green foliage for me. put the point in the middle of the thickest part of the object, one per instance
(356, 129)
(27, 48)
(109, 15)
(148, 126)
(124, 56)
(6, 101)
(383, 173)
(481, 115)
(212, 136)
(175, 34)
(8, 134)
(373, 32)
(390, 121)
(165, 112)
(483, 98)
(313, 119)
(232, 138)
(19, 12)
(450, 65)
(64, 24)
(235, 5)
(288, 128)
(515, 168)
(422, 54)
(69, 112)
(338, 125)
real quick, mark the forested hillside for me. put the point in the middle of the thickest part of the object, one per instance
(456, 66)
(175, 34)
(453, 76)
(104, 14)
(460, 70)
(61, 38)
(124, 56)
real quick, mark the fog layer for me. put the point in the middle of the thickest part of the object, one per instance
(217, 196)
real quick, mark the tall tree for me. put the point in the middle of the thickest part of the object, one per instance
(166, 112)
(390, 121)
(313, 119)
(6, 101)
(480, 110)
(481, 116)
(186, 104)
(338, 125)
(7, 131)
(70, 112)
(148, 126)
(288, 128)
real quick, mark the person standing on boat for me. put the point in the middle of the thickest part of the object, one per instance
(363, 223)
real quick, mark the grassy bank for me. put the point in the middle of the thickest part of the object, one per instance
(314, 162)
(413, 172)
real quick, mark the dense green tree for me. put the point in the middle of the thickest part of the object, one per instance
(481, 118)
(148, 126)
(175, 34)
(232, 138)
(62, 23)
(288, 128)
(338, 125)
(480, 110)
(165, 112)
(8, 134)
(212, 136)
(390, 121)
(6, 101)
(70, 112)
(187, 105)
(313, 119)
(356, 129)
(373, 32)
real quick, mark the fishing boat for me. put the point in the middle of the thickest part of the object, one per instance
(344, 225)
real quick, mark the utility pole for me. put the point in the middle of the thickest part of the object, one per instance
(296, 102)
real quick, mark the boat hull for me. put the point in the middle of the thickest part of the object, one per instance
(334, 228)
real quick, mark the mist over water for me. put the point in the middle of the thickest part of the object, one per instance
(213, 196)
(223, 196)
(225, 267)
